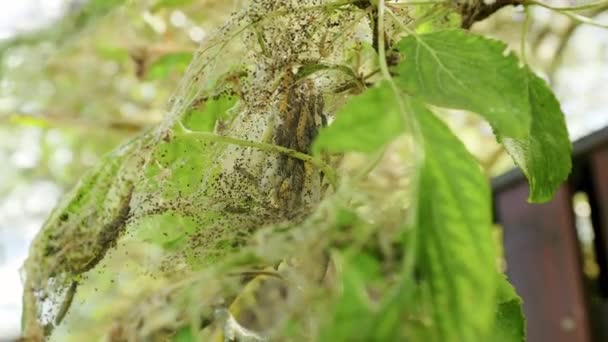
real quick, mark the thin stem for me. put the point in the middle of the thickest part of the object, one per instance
(369, 168)
(408, 31)
(410, 257)
(414, 3)
(583, 19)
(411, 123)
(396, 20)
(343, 32)
(568, 9)
(329, 172)
(382, 60)
(524, 34)
(425, 18)
(369, 75)
(566, 36)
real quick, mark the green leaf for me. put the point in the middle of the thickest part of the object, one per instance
(434, 17)
(510, 323)
(455, 69)
(184, 334)
(364, 124)
(163, 66)
(543, 155)
(456, 248)
(178, 162)
(351, 312)
(204, 118)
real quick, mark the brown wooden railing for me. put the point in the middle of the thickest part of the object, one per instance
(543, 253)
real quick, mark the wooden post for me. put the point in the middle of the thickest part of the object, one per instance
(543, 262)
(598, 193)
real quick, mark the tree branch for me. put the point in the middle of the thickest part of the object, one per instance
(478, 10)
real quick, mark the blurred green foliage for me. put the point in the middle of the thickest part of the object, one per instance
(177, 225)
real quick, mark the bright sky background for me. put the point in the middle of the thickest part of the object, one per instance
(17, 16)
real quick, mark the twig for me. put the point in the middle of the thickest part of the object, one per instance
(568, 11)
(524, 34)
(478, 10)
(583, 19)
(569, 8)
(329, 172)
(409, 261)
(566, 38)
